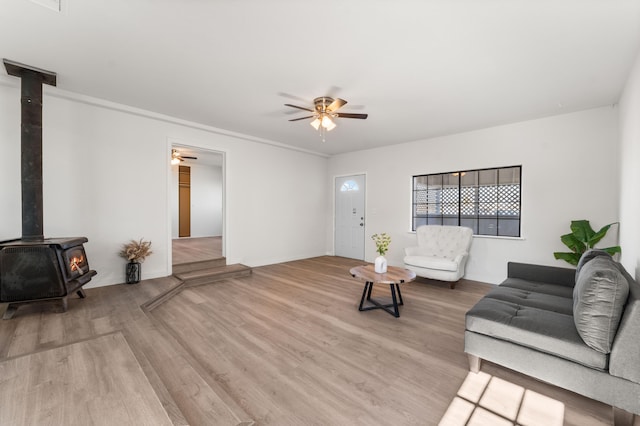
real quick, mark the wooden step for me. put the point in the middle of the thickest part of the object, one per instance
(212, 406)
(153, 303)
(209, 275)
(195, 266)
(131, 334)
(195, 278)
(85, 368)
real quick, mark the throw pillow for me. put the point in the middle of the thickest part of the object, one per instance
(598, 301)
(587, 256)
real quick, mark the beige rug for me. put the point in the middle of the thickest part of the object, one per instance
(96, 382)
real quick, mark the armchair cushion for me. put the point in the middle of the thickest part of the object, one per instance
(432, 262)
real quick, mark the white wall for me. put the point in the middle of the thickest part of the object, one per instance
(569, 171)
(107, 176)
(630, 172)
(10, 223)
(206, 201)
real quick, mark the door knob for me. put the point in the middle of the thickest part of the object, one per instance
(361, 224)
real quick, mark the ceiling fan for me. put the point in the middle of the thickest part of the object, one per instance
(177, 158)
(325, 112)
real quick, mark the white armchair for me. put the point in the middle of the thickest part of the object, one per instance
(441, 253)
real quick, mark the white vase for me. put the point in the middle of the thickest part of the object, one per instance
(380, 265)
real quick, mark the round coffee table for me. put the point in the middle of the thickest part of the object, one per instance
(394, 277)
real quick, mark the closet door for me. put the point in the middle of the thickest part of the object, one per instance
(184, 201)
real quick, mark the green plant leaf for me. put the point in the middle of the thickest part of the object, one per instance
(581, 238)
(572, 258)
(573, 243)
(595, 238)
(582, 230)
(612, 250)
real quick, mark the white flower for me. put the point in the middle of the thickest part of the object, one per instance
(382, 242)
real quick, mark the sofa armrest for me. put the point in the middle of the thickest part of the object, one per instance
(625, 353)
(542, 273)
(461, 258)
(624, 360)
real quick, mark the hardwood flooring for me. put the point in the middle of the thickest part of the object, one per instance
(96, 381)
(285, 346)
(187, 250)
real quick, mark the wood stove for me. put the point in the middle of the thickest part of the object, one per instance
(34, 268)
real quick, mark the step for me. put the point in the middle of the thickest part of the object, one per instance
(210, 403)
(195, 278)
(159, 387)
(158, 300)
(209, 275)
(195, 266)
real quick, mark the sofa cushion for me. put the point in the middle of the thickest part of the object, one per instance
(547, 302)
(539, 287)
(431, 262)
(587, 256)
(598, 300)
(546, 331)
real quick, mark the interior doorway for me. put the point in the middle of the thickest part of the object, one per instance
(197, 194)
(349, 216)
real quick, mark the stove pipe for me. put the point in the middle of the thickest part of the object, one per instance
(32, 80)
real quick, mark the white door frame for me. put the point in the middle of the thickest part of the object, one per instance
(171, 142)
(333, 207)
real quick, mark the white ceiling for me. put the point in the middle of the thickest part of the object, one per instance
(418, 68)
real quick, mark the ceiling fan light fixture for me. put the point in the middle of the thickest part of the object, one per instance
(175, 161)
(316, 123)
(324, 113)
(327, 122)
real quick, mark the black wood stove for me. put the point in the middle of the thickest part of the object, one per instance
(34, 268)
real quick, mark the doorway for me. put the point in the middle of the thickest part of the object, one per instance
(197, 194)
(349, 216)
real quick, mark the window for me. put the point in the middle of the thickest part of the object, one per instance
(487, 200)
(350, 185)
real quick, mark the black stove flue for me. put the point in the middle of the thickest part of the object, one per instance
(34, 268)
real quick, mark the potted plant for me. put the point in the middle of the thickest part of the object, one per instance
(581, 239)
(135, 252)
(382, 246)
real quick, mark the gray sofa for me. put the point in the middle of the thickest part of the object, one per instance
(559, 325)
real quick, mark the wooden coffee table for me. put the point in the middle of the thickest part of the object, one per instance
(394, 277)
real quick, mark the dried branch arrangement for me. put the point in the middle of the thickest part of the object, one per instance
(136, 251)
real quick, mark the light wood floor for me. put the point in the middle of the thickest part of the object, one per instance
(286, 346)
(95, 381)
(187, 250)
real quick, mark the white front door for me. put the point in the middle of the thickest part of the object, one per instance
(349, 238)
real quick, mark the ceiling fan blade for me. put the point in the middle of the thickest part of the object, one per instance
(302, 118)
(336, 104)
(188, 158)
(299, 107)
(350, 115)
